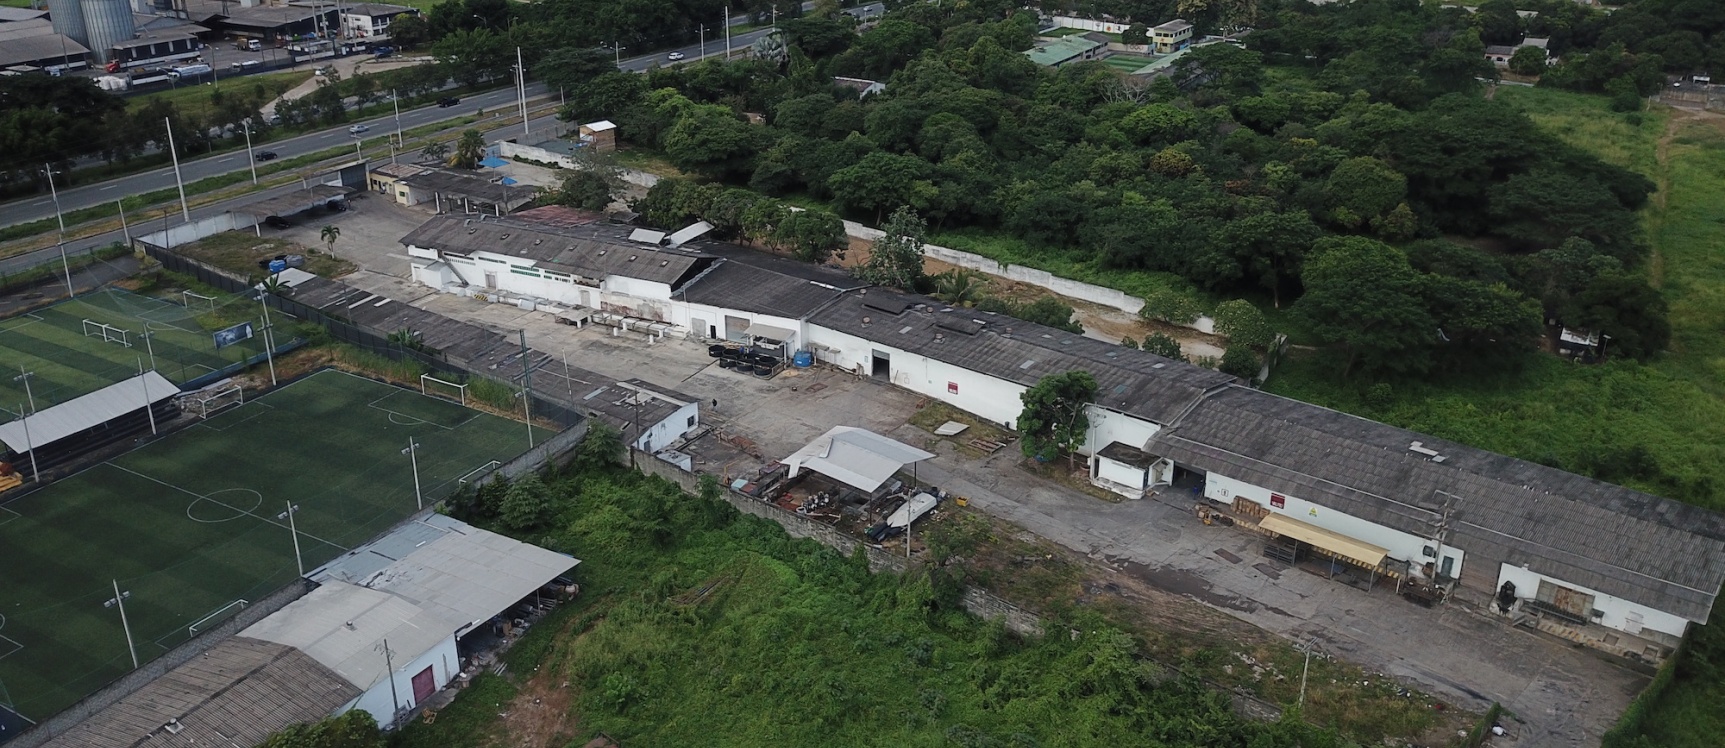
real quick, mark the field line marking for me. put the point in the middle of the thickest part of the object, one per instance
(264, 519)
(7, 516)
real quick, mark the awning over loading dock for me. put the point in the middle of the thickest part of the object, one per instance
(775, 334)
(1360, 552)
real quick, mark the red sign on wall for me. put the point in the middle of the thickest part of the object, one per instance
(952, 388)
(1278, 501)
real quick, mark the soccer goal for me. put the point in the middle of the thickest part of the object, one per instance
(434, 387)
(197, 301)
(212, 400)
(220, 614)
(109, 333)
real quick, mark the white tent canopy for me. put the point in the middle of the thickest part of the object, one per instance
(87, 411)
(861, 459)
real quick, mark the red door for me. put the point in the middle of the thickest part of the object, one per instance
(423, 685)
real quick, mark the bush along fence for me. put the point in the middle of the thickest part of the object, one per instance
(500, 394)
(1634, 719)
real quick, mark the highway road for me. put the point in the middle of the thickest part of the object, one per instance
(42, 206)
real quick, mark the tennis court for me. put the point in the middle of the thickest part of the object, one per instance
(189, 525)
(84, 344)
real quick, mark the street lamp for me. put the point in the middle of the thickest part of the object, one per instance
(412, 453)
(119, 600)
(703, 42)
(617, 50)
(292, 508)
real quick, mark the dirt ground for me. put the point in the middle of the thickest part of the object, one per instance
(542, 714)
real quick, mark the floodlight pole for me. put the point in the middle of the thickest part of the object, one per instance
(124, 229)
(413, 455)
(269, 346)
(294, 530)
(526, 387)
(395, 99)
(727, 33)
(521, 88)
(24, 376)
(35, 475)
(185, 210)
(151, 348)
(148, 408)
(58, 216)
(120, 600)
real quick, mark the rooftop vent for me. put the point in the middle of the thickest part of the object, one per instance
(505, 236)
(537, 242)
(905, 329)
(1419, 448)
(602, 252)
(1029, 362)
(866, 320)
(1157, 365)
(473, 231)
(664, 263)
(632, 257)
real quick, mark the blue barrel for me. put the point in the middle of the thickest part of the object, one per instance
(277, 266)
(803, 359)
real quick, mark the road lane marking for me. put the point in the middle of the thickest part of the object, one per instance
(111, 186)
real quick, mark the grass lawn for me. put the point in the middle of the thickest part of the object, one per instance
(1126, 64)
(239, 252)
(188, 524)
(194, 100)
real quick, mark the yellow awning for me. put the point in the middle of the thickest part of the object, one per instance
(1341, 545)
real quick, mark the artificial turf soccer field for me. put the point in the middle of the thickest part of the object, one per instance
(65, 362)
(189, 524)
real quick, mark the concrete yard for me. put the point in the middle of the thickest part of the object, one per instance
(1559, 694)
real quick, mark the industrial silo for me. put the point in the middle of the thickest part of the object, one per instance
(107, 22)
(67, 16)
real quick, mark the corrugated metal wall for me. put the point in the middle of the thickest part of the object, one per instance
(67, 16)
(107, 22)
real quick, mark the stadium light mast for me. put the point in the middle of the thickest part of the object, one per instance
(185, 210)
(61, 217)
(24, 376)
(148, 408)
(119, 599)
(412, 453)
(294, 530)
(30, 447)
(269, 347)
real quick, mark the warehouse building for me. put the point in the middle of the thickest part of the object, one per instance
(1598, 564)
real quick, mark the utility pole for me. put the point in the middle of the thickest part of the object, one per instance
(294, 529)
(185, 210)
(400, 142)
(1313, 642)
(124, 229)
(703, 42)
(269, 347)
(727, 33)
(119, 599)
(389, 662)
(250, 159)
(521, 90)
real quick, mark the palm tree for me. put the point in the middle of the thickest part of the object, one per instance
(435, 151)
(330, 233)
(468, 150)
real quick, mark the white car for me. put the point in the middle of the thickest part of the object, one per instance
(357, 129)
(674, 56)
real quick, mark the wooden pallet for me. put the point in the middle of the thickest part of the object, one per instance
(987, 445)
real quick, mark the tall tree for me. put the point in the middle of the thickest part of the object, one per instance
(896, 259)
(469, 149)
(814, 235)
(1363, 296)
(1054, 418)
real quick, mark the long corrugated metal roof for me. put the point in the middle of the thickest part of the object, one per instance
(1642, 548)
(463, 574)
(94, 409)
(237, 693)
(343, 626)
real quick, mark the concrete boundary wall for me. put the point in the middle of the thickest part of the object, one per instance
(187, 233)
(1108, 297)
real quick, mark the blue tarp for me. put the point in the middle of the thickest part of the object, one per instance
(493, 162)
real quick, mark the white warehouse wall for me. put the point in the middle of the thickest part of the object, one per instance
(1400, 544)
(990, 398)
(1108, 426)
(661, 434)
(443, 660)
(1616, 609)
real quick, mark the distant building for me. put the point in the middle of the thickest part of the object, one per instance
(1066, 50)
(30, 44)
(370, 21)
(450, 190)
(601, 136)
(1171, 37)
(1500, 54)
(168, 46)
